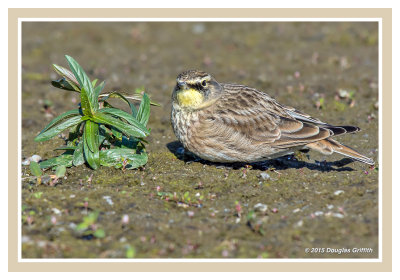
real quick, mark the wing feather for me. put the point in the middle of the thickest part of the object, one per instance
(255, 116)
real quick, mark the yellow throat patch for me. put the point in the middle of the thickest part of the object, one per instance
(190, 98)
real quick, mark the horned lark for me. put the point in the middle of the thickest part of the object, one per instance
(235, 123)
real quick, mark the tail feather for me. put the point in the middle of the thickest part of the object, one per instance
(338, 130)
(328, 146)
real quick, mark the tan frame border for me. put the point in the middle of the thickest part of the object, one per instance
(386, 16)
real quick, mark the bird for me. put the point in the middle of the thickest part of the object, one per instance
(228, 123)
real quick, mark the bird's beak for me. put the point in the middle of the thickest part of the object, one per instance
(182, 85)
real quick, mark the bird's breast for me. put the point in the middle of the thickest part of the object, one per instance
(183, 123)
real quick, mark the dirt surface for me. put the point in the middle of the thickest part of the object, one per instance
(178, 206)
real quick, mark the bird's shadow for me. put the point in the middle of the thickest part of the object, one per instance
(281, 163)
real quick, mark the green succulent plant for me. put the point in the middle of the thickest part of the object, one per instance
(100, 134)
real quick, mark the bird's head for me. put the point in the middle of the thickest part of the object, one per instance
(195, 89)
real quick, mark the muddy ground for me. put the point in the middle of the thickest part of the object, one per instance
(300, 203)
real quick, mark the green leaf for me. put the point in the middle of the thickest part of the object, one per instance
(86, 106)
(57, 129)
(83, 80)
(66, 148)
(130, 252)
(64, 84)
(92, 135)
(99, 89)
(60, 171)
(124, 115)
(87, 221)
(125, 128)
(92, 218)
(113, 157)
(114, 94)
(109, 134)
(128, 142)
(78, 158)
(116, 133)
(81, 227)
(38, 195)
(99, 233)
(94, 82)
(64, 159)
(144, 110)
(64, 116)
(92, 157)
(35, 169)
(137, 96)
(68, 75)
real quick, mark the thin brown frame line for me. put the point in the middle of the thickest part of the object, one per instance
(384, 14)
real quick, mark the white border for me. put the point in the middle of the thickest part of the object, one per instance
(20, 20)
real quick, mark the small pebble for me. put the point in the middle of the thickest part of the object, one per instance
(198, 28)
(343, 93)
(56, 211)
(25, 239)
(261, 207)
(108, 199)
(265, 176)
(318, 213)
(338, 192)
(338, 215)
(190, 213)
(299, 223)
(296, 210)
(125, 219)
(35, 158)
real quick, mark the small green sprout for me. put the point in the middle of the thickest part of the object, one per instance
(348, 96)
(89, 226)
(339, 106)
(60, 171)
(36, 171)
(130, 252)
(37, 195)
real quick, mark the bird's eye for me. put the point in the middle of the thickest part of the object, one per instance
(204, 83)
